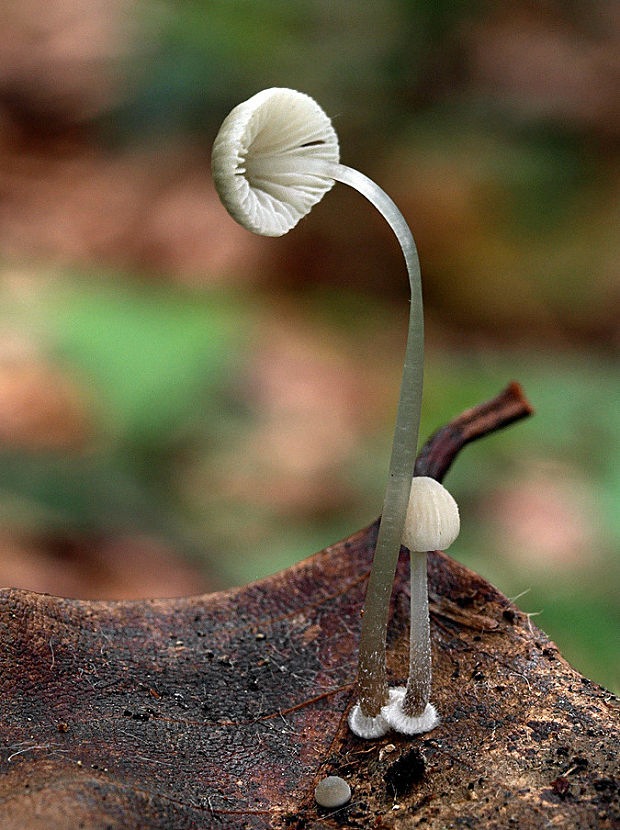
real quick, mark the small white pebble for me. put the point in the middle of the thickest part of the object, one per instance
(332, 791)
(386, 750)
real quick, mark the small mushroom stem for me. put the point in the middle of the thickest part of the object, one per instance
(372, 676)
(418, 691)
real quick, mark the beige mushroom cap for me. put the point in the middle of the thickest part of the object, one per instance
(432, 521)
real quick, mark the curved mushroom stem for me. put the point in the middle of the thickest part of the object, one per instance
(372, 677)
(418, 691)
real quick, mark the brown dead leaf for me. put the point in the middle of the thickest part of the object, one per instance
(224, 710)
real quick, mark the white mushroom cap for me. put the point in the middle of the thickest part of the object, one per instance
(267, 158)
(432, 521)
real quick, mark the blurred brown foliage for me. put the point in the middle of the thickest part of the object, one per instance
(516, 245)
(69, 198)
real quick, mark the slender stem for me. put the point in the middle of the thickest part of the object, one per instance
(372, 677)
(419, 683)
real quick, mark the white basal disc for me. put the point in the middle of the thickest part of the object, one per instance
(400, 722)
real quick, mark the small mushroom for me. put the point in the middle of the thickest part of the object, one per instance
(332, 791)
(275, 156)
(432, 523)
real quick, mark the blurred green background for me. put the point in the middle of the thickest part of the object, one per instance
(185, 407)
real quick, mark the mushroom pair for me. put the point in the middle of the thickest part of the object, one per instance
(274, 158)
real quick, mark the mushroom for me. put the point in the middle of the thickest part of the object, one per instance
(432, 523)
(332, 791)
(274, 158)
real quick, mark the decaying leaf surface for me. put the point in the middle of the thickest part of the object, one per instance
(225, 710)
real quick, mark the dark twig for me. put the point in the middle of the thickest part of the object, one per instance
(437, 455)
